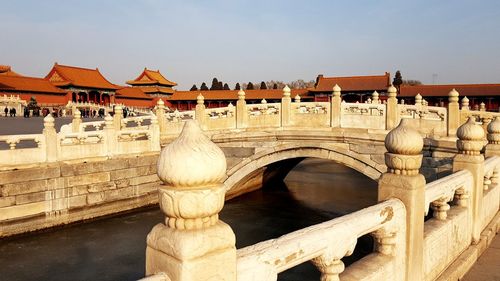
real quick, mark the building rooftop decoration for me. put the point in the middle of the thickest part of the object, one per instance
(153, 82)
(25, 84)
(6, 70)
(67, 76)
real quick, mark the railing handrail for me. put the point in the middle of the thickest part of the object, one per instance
(445, 188)
(290, 249)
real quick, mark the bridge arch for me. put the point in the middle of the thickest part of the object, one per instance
(253, 167)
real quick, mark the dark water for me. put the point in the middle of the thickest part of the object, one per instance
(113, 248)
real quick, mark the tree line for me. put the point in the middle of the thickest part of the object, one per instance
(264, 85)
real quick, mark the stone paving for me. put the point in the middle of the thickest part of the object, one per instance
(487, 267)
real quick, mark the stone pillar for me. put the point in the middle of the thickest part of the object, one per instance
(465, 103)
(241, 111)
(392, 115)
(286, 107)
(117, 118)
(297, 98)
(453, 113)
(375, 98)
(154, 137)
(200, 110)
(403, 181)
(160, 114)
(482, 106)
(470, 143)
(110, 135)
(335, 107)
(77, 120)
(192, 244)
(49, 132)
(493, 146)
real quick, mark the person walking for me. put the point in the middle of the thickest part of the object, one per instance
(6, 110)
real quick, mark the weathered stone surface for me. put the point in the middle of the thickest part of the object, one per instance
(7, 201)
(24, 187)
(87, 179)
(30, 198)
(19, 211)
(77, 201)
(147, 188)
(98, 187)
(30, 174)
(144, 179)
(143, 160)
(95, 198)
(238, 151)
(92, 167)
(117, 194)
(132, 172)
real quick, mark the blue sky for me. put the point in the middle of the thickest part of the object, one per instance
(240, 41)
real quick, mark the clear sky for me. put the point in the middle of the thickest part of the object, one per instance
(240, 41)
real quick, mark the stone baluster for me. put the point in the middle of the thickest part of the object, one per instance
(418, 99)
(470, 143)
(77, 120)
(335, 107)
(392, 112)
(440, 209)
(482, 106)
(110, 135)
(154, 138)
(297, 98)
(375, 97)
(486, 182)
(465, 103)
(403, 181)
(241, 111)
(200, 110)
(49, 132)
(117, 117)
(160, 114)
(453, 113)
(192, 244)
(330, 268)
(286, 107)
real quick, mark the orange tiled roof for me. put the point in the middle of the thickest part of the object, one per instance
(7, 71)
(233, 94)
(443, 90)
(133, 93)
(154, 89)
(151, 77)
(63, 75)
(28, 84)
(353, 83)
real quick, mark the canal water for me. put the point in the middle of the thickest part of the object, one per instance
(113, 248)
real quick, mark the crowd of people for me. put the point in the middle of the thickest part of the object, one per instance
(11, 112)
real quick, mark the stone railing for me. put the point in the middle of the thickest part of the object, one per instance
(406, 246)
(325, 244)
(82, 140)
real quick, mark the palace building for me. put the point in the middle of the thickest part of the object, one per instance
(153, 83)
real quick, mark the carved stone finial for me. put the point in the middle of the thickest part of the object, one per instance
(48, 121)
(286, 91)
(418, 99)
(470, 137)
(192, 169)
(482, 106)
(392, 91)
(200, 99)
(160, 102)
(494, 131)
(336, 90)
(297, 98)
(375, 97)
(78, 114)
(453, 96)
(241, 95)
(465, 103)
(108, 120)
(404, 149)
(263, 101)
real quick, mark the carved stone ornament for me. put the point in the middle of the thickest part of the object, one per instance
(470, 138)
(336, 90)
(241, 95)
(286, 91)
(404, 150)
(391, 91)
(453, 96)
(494, 131)
(200, 99)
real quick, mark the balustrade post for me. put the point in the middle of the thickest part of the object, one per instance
(470, 143)
(375, 97)
(50, 135)
(418, 102)
(154, 137)
(110, 135)
(335, 107)
(200, 110)
(403, 181)
(117, 117)
(192, 244)
(77, 120)
(392, 112)
(465, 104)
(453, 113)
(286, 107)
(241, 111)
(160, 114)
(493, 146)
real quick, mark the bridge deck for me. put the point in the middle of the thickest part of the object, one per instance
(487, 267)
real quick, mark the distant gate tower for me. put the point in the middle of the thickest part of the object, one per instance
(153, 83)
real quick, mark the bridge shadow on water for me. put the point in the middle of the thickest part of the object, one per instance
(114, 248)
